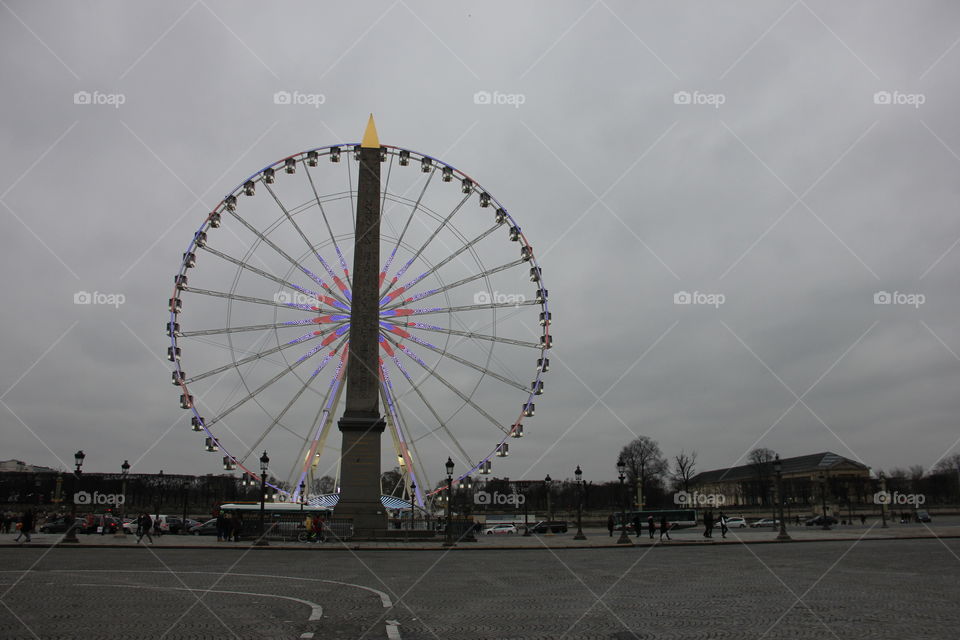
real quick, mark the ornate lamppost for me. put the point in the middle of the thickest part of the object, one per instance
(413, 494)
(71, 535)
(264, 467)
(526, 518)
(883, 503)
(449, 540)
(548, 484)
(823, 500)
(622, 471)
(124, 472)
(579, 474)
(777, 469)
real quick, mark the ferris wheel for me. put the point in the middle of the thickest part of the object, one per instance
(259, 319)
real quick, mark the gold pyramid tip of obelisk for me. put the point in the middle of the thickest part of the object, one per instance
(370, 139)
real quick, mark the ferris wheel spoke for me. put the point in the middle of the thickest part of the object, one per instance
(320, 426)
(300, 392)
(453, 256)
(454, 285)
(403, 232)
(433, 235)
(268, 276)
(333, 238)
(455, 332)
(270, 243)
(406, 437)
(268, 352)
(400, 313)
(306, 241)
(472, 365)
(243, 329)
(447, 384)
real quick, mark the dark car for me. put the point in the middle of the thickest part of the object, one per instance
(922, 516)
(817, 521)
(552, 526)
(56, 524)
(208, 528)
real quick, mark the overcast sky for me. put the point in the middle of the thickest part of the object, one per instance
(784, 161)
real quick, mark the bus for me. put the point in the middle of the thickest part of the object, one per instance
(282, 520)
(676, 518)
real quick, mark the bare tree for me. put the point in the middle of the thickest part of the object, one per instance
(644, 462)
(761, 459)
(684, 465)
(391, 482)
(323, 485)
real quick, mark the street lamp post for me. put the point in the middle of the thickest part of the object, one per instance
(777, 469)
(548, 483)
(156, 520)
(579, 475)
(71, 535)
(624, 538)
(264, 467)
(526, 519)
(303, 497)
(124, 471)
(823, 500)
(883, 503)
(449, 541)
(413, 494)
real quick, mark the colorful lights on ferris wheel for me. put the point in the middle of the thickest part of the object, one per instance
(313, 158)
(186, 401)
(210, 444)
(229, 464)
(503, 450)
(249, 188)
(466, 185)
(447, 175)
(404, 157)
(290, 166)
(268, 176)
(196, 424)
(426, 164)
(484, 200)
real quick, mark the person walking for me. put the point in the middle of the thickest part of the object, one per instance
(610, 524)
(707, 524)
(223, 527)
(144, 525)
(863, 519)
(723, 525)
(237, 527)
(318, 529)
(308, 526)
(650, 525)
(26, 524)
(637, 525)
(664, 528)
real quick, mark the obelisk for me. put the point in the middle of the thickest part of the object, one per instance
(361, 423)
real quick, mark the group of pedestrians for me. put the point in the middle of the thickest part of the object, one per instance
(25, 526)
(709, 522)
(665, 526)
(229, 528)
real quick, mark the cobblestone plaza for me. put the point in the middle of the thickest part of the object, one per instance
(829, 589)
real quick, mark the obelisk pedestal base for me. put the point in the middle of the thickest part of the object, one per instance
(360, 476)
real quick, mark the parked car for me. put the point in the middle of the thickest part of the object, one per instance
(171, 524)
(552, 526)
(923, 516)
(189, 524)
(208, 528)
(500, 529)
(56, 524)
(765, 522)
(817, 521)
(735, 522)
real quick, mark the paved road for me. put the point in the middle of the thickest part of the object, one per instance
(900, 589)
